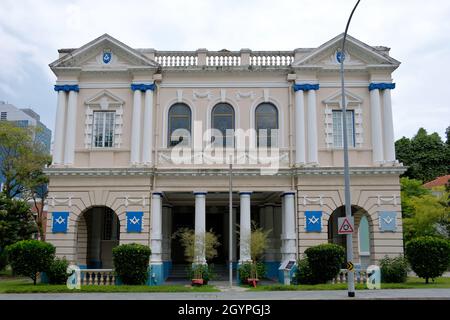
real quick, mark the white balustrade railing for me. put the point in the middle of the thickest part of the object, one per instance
(177, 59)
(183, 59)
(271, 59)
(360, 276)
(97, 277)
(223, 59)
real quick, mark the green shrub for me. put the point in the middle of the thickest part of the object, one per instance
(304, 273)
(131, 263)
(29, 257)
(251, 270)
(57, 272)
(3, 259)
(325, 261)
(429, 257)
(394, 270)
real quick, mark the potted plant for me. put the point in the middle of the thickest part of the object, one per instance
(195, 247)
(251, 271)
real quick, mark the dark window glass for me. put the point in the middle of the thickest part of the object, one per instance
(179, 124)
(266, 116)
(223, 120)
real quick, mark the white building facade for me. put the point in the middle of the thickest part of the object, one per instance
(144, 138)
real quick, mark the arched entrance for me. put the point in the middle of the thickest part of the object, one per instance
(98, 232)
(362, 237)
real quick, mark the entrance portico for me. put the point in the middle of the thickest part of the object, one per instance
(205, 211)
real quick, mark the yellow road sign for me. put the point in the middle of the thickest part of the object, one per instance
(350, 266)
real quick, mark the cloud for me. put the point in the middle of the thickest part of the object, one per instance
(418, 33)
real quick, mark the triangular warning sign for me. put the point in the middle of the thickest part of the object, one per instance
(345, 227)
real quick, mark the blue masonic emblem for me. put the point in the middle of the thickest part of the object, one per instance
(388, 220)
(60, 220)
(313, 221)
(134, 221)
(107, 56)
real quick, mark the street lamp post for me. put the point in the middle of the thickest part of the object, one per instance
(348, 204)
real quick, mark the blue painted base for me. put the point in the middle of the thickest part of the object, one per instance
(167, 268)
(272, 269)
(156, 275)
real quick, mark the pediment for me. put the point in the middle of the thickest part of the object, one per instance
(357, 54)
(104, 100)
(91, 56)
(350, 98)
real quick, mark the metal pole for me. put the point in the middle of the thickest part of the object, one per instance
(348, 204)
(230, 222)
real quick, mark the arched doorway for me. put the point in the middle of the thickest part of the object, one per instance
(98, 232)
(362, 239)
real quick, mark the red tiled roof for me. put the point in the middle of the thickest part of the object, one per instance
(439, 181)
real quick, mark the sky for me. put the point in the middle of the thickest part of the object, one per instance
(417, 31)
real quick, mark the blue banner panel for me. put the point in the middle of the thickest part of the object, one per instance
(388, 220)
(134, 221)
(313, 221)
(60, 222)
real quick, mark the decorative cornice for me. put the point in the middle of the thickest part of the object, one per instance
(67, 88)
(177, 172)
(143, 87)
(381, 86)
(305, 87)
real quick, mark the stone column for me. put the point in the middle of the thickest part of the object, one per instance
(58, 146)
(245, 227)
(389, 141)
(289, 226)
(312, 128)
(69, 153)
(200, 227)
(157, 272)
(147, 140)
(377, 138)
(300, 134)
(234, 239)
(136, 128)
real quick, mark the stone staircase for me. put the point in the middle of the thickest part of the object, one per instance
(180, 272)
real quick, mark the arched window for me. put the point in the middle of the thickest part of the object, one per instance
(266, 123)
(179, 125)
(223, 122)
(364, 237)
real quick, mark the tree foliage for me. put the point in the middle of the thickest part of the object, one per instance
(22, 160)
(30, 257)
(424, 214)
(429, 257)
(426, 155)
(16, 221)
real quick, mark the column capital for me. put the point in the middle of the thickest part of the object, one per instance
(157, 193)
(381, 86)
(288, 193)
(143, 87)
(305, 87)
(242, 193)
(67, 87)
(200, 193)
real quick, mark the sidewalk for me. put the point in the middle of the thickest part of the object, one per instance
(238, 294)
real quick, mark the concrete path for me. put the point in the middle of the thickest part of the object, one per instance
(392, 294)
